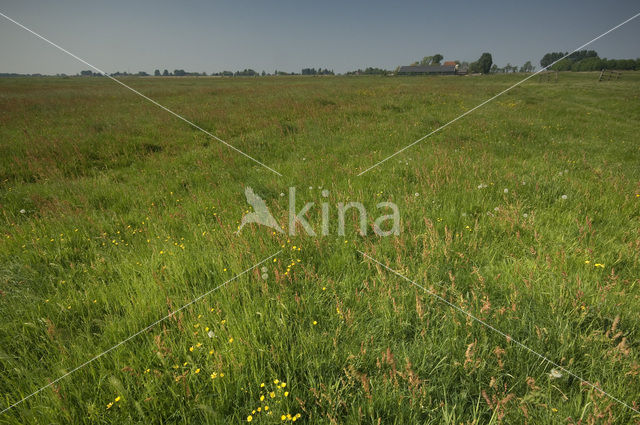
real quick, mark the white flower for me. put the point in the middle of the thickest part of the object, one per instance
(210, 334)
(310, 187)
(264, 269)
(506, 191)
(22, 211)
(555, 374)
(564, 196)
(265, 276)
(496, 209)
(525, 215)
(281, 194)
(417, 194)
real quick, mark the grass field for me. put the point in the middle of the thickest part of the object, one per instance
(526, 214)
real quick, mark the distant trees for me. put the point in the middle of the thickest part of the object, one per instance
(550, 58)
(370, 71)
(482, 65)
(156, 73)
(527, 67)
(431, 60)
(586, 60)
(319, 71)
(165, 73)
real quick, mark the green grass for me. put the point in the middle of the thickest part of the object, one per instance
(130, 213)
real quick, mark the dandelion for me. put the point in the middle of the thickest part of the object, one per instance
(416, 194)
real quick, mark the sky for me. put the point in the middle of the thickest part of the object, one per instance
(212, 36)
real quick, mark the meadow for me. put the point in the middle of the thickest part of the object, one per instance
(526, 214)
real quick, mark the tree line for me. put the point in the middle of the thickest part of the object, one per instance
(586, 60)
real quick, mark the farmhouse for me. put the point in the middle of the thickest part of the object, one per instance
(446, 69)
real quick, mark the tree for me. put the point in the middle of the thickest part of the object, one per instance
(156, 73)
(527, 67)
(482, 65)
(165, 73)
(426, 60)
(435, 60)
(550, 58)
(494, 68)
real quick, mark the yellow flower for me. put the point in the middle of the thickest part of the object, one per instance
(286, 393)
(230, 340)
(191, 348)
(272, 394)
(261, 398)
(275, 381)
(283, 417)
(117, 399)
(266, 408)
(262, 385)
(259, 409)
(210, 351)
(221, 375)
(315, 323)
(213, 375)
(109, 405)
(283, 384)
(197, 370)
(249, 418)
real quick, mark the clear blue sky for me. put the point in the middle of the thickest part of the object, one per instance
(141, 35)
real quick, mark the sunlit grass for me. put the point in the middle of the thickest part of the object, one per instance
(114, 214)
